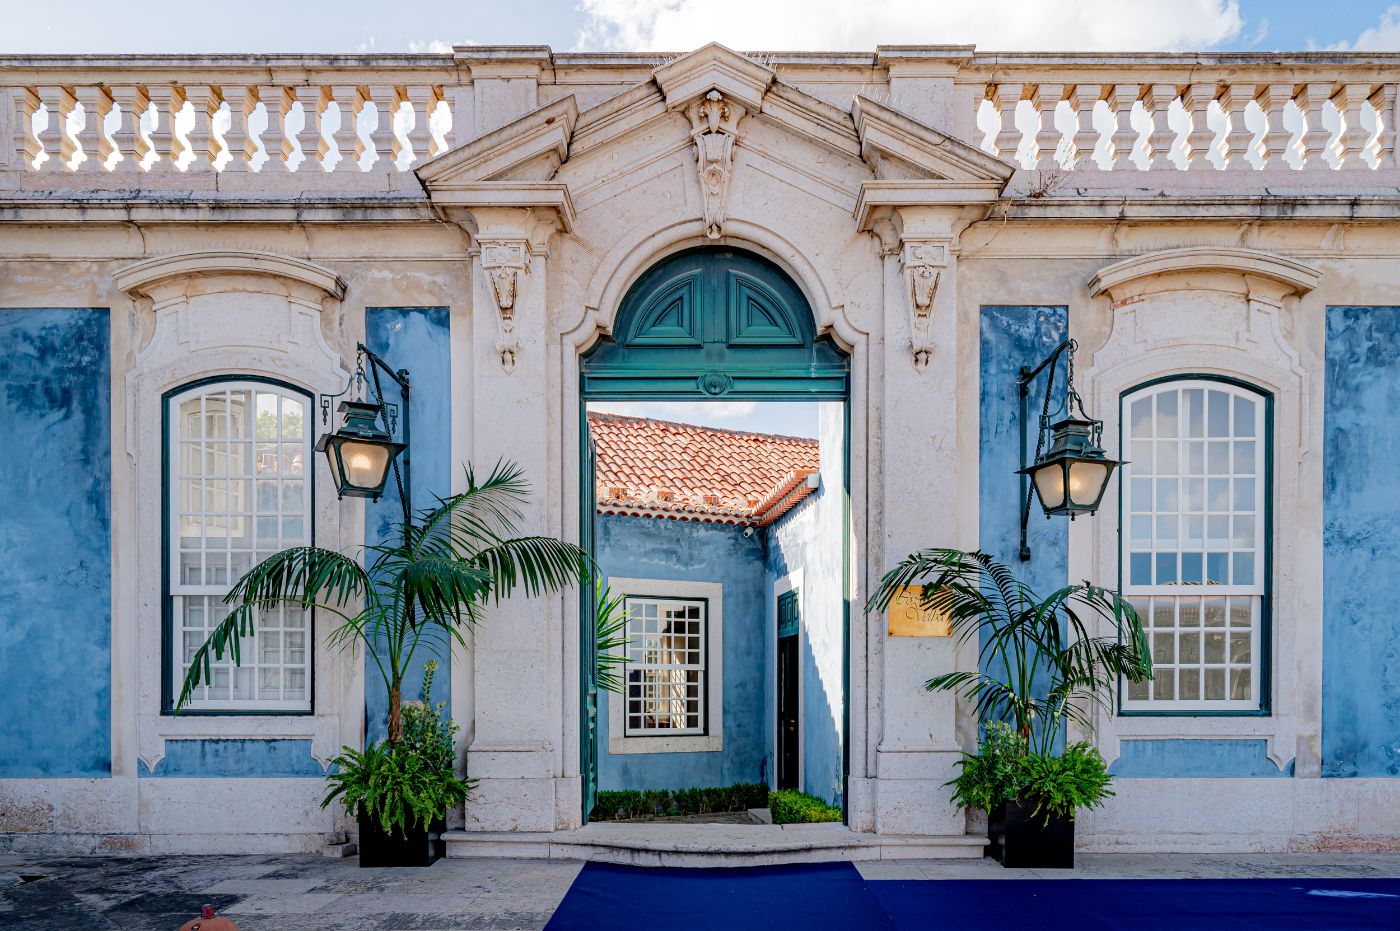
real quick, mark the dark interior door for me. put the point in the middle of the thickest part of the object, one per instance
(788, 671)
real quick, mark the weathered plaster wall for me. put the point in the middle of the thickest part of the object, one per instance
(235, 758)
(1361, 539)
(55, 543)
(805, 546)
(1196, 758)
(417, 339)
(650, 548)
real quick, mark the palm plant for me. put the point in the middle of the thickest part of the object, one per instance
(610, 620)
(457, 557)
(1040, 664)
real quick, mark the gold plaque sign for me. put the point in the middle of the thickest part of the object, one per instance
(908, 618)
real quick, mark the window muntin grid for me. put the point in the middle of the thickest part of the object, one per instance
(239, 487)
(666, 661)
(1193, 542)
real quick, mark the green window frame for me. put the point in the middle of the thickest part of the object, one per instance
(1195, 542)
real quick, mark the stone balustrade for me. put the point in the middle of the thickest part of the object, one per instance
(1308, 112)
(1086, 114)
(230, 114)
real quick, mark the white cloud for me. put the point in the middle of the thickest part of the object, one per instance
(1017, 25)
(1382, 37)
(436, 46)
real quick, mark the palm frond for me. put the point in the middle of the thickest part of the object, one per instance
(534, 565)
(610, 641)
(305, 573)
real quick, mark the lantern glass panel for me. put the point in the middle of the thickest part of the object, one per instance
(1086, 482)
(365, 463)
(1050, 485)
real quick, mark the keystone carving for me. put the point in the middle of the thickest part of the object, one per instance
(923, 263)
(504, 261)
(714, 122)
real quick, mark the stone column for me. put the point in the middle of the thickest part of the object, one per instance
(922, 86)
(917, 742)
(505, 82)
(515, 749)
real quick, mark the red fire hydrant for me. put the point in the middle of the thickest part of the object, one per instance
(208, 921)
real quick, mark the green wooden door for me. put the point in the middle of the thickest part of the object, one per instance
(588, 635)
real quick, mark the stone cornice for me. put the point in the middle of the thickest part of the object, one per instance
(879, 197)
(1127, 276)
(537, 143)
(539, 195)
(713, 67)
(142, 276)
(887, 133)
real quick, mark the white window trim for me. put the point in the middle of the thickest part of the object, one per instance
(1256, 592)
(177, 591)
(713, 741)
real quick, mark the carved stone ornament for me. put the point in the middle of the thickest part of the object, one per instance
(714, 122)
(504, 261)
(923, 263)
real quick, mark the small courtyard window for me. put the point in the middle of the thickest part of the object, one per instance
(666, 660)
(238, 488)
(1195, 556)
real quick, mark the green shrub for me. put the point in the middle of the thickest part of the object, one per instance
(637, 805)
(790, 806)
(1003, 770)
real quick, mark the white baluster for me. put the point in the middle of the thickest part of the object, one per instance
(57, 143)
(91, 139)
(1239, 136)
(348, 101)
(28, 146)
(385, 99)
(163, 135)
(398, 146)
(241, 104)
(1315, 135)
(1045, 98)
(205, 103)
(1124, 138)
(1351, 102)
(1158, 99)
(1276, 135)
(1200, 137)
(422, 99)
(1086, 137)
(277, 142)
(1008, 138)
(132, 102)
(308, 137)
(1384, 103)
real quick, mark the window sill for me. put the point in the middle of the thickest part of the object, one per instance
(702, 743)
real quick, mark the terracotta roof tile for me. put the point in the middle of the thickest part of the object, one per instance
(665, 469)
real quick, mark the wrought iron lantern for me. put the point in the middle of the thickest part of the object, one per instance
(360, 452)
(1070, 477)
(363, 451)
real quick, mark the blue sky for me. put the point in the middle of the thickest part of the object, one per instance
(419, 25)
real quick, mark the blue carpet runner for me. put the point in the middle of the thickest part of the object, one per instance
(816, 897)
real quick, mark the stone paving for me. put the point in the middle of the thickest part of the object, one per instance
(308, 893)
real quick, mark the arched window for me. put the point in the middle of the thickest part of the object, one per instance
(1194, 542)
(237, 489)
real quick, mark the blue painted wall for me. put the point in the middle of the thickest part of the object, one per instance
(1186, 757)
(55, 543)
(1361, 544)
(648, 548)
(809, 538)
(415, 338)
(1012, 337)
(235, 758)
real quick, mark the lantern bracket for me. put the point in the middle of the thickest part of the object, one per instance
(389, 412)
(1068, 405)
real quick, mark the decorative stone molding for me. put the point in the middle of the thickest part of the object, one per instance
(923, 260)
(714, 121)
(146, 277)
(1194, 268)
(503, 261)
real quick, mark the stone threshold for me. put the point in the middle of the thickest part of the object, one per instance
(699, 845)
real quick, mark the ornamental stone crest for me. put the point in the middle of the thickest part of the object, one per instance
(503, 261)
(923, 262)
(714, 121)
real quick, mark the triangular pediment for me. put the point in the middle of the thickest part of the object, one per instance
(529, 149)
(899, 147)
(713, 67)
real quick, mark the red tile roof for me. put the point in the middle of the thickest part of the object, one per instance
(657, 468)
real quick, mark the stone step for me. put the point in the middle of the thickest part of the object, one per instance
(645, 844)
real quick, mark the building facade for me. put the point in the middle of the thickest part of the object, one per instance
(191, 248)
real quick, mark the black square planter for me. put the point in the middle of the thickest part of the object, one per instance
(1020, 839)
(415, 846)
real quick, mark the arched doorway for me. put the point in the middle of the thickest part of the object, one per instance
(715, 324)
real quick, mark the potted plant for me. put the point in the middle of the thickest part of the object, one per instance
(431, 584)
(1040, 667)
